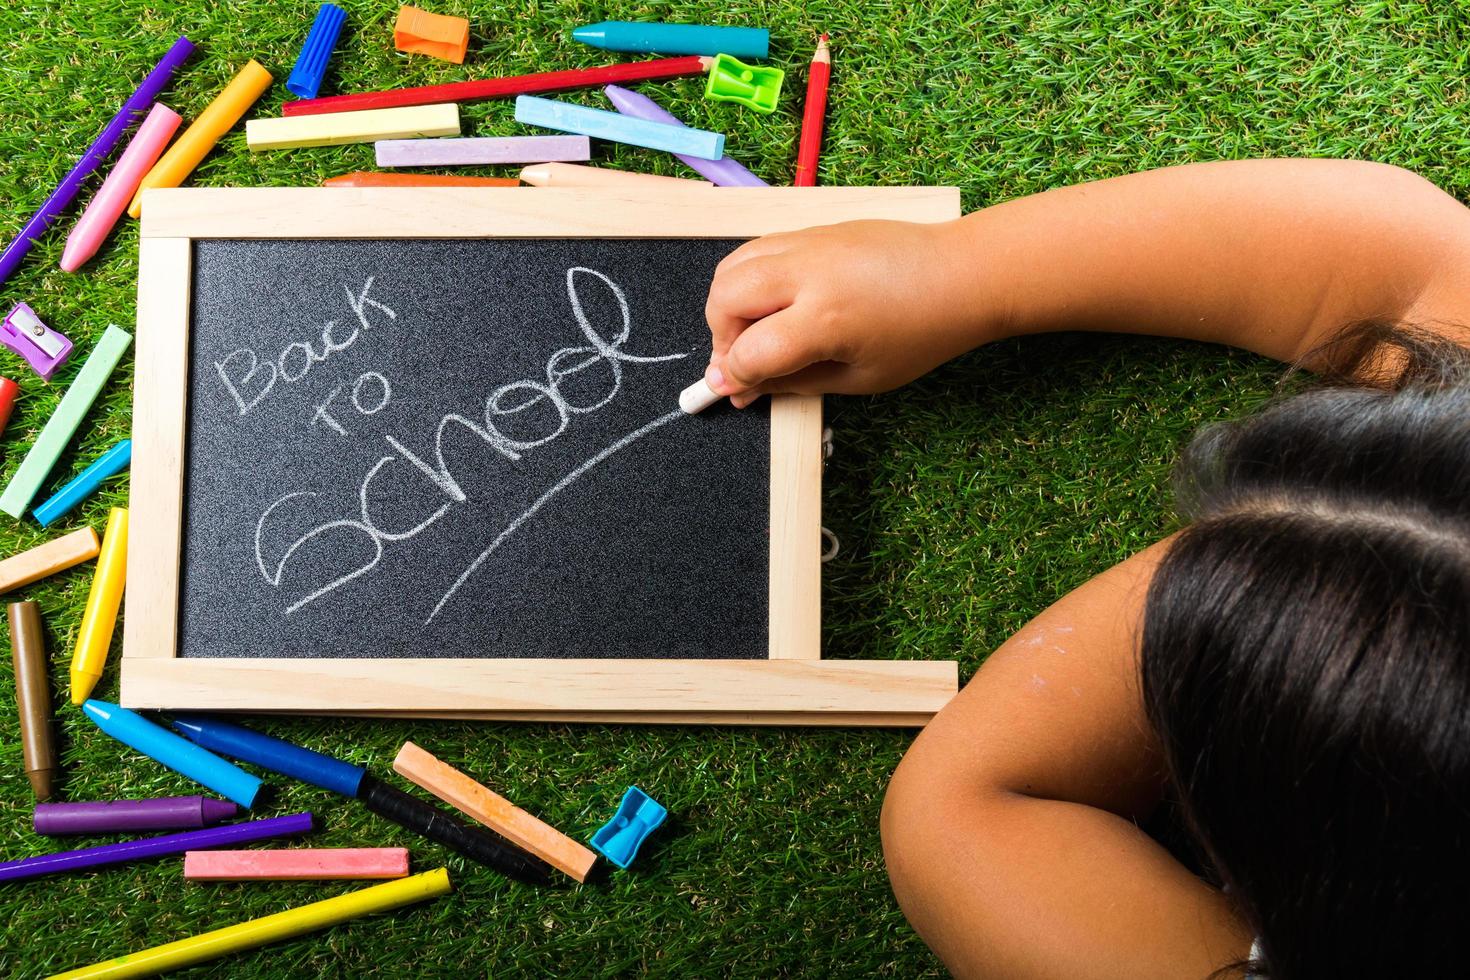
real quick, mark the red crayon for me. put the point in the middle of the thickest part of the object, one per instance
(8, 390)
(499, 88)
(812, 116)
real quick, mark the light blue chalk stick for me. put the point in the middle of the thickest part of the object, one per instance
(85, 483)
(569, 117)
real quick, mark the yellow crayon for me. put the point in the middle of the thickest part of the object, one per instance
(200, 137)
(100, 615)
(258, 932)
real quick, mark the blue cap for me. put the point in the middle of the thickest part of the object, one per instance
(311, 64)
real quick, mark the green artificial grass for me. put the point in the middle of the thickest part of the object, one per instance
(965, 503)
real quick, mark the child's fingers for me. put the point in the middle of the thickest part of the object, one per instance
(773, 347)
(754, 289)
(815, 379)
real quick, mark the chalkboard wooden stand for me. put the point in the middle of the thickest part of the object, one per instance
(793, 686)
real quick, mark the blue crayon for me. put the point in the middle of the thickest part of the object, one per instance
(178, 754)
(85, 483)
(655, 38)
(571, 118)
(271, 753)
(311, 64)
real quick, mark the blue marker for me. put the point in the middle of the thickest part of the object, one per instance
(178, 754)
(271, 753)
(311, 64)
(85, 483)
(572, 118)
(622, 35)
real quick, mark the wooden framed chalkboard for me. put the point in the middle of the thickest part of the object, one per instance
(418, 452)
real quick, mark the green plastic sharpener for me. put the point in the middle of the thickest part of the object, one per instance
(731, 80)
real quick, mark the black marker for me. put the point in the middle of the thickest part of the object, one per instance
(444, 828)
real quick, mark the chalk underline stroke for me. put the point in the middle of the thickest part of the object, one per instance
(546, 497)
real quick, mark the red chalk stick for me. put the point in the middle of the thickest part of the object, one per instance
(297, 864)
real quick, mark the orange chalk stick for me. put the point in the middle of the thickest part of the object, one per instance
(436, 35)
(297, 864)
(368, 178)
(54, 556)
(494, 811)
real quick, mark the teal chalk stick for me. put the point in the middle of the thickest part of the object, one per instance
(655, 38)
(85, 483)
(179, 754)
(64, 421)
(572, 118)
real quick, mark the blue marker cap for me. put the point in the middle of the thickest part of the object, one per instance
(311, 64)
(178, 754)
(271, 753)
(85, 483)
(638, 816)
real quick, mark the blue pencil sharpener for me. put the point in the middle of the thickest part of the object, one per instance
(638, 816)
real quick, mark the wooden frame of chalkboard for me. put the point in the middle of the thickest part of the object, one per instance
(793, 686)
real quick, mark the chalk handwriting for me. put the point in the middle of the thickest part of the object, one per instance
(295, 362)
(517, 417)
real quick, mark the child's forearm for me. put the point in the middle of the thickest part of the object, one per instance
(1269, 255)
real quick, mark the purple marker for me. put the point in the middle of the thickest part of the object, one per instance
(133, 109)
(723, 172)
(118, 816)
(150, 847)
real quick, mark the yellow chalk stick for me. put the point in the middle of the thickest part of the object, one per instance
(48, 559)
(100, 615)
(226, 109)
(336, 128)
(258, 932)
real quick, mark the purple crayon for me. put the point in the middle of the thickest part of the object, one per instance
(723, 172)
(120, 816)
(132, 110)
(151, 847)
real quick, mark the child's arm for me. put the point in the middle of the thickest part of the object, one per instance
(1009, 829)
(1270, 255)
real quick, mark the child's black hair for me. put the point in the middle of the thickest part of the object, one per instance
(1305, 660)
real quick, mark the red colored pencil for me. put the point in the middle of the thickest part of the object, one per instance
(811, 118)
(499, 88)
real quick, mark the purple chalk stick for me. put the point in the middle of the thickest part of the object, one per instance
(119, 816)
(134, 109)
(151, 847)
(723, 172)
(473, 150)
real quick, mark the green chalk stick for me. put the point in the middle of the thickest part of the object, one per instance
(64, 421)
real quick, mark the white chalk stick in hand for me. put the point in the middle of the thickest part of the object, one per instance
(697, 397)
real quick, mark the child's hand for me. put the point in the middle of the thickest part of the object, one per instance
(854, 308)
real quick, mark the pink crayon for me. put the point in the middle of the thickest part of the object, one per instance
(95, 223)
(297, 864)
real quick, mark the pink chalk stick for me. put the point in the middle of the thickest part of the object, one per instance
(453, 152)
(297, 864)
(118, 189)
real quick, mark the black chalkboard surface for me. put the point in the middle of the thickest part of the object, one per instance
(465, 448)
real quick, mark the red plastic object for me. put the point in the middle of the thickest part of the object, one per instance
(8, 392)
(499, 88)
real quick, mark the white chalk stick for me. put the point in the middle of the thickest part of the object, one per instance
(697, 397)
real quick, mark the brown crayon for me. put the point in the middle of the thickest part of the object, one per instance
(33, 698)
